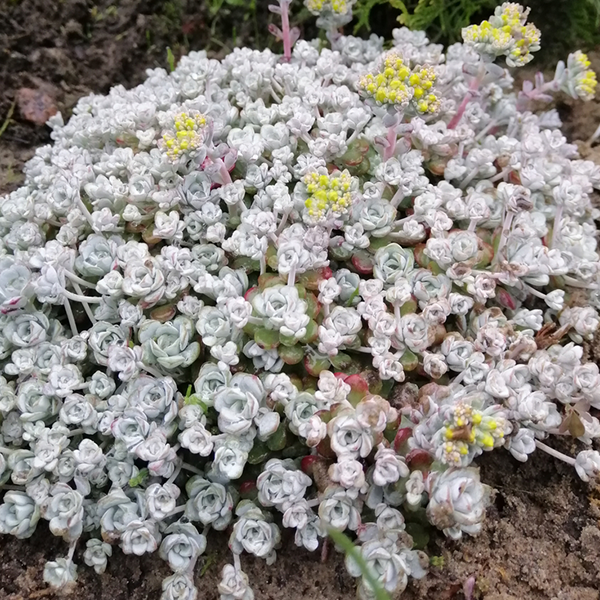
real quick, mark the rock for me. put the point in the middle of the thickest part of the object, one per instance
(36, 105)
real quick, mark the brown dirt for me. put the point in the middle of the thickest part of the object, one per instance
(541, 540)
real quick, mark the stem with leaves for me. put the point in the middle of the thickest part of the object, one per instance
(285, 34)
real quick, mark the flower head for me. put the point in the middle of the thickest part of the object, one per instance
(330, 195)
(187, 136)
(397, 84)
(506, 33)
(578, 79)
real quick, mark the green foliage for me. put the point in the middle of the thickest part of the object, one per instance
(170, 59)
(208, 562)
(140, 478)
(9, 115)
(568, 25)
(362, 13)
(442, 19)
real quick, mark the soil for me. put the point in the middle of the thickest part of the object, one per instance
(541, 539)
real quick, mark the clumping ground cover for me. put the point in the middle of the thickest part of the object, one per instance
(335, 303)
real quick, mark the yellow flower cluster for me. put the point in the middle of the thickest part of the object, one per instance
(396, 83)
(527, 40)
(188, 135)
(469, 427)
(486, 34)
(330, 195)
(585, 79)
(339, 7)
(511, 14)
(506, 33)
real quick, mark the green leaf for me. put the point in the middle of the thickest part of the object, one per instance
(272, 257)
(362, 261)
(246, 263)
(435, 268)
(312, 332)
(379, 242)
(386, 388)
(208, 561)
(268, 280)
(353, 295)
(287, 340)
(301, 291)
(362, 168)
(362, 13)
(215, 6)
(420, 258)
(409, 360)
(266, 338)
(352, 158)
(315, 364)
(278, 440)
(170, 59)
(196, 401)
(313, 308)
(351, 550)
(250, 329)
(296, 450)
(339, 253)
(291, 355)
(408, 307)
(259, 453)
(340, 361)
(139, 478)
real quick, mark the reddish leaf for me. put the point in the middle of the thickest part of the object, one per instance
(505, 299)
(247, 487)
(307, 463)
(324, 449)
(358, 384)
(402, 437)
(419, 458)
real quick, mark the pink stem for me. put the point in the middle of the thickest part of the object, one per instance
(224, 173)
(463, 105)
(285, 30)
(391, 140)
(537, 93)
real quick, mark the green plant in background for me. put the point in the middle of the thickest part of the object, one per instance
(567, 24)
(226, 13)
(170, 59)
(443, 19)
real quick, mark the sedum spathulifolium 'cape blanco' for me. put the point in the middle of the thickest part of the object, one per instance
(302, 291)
